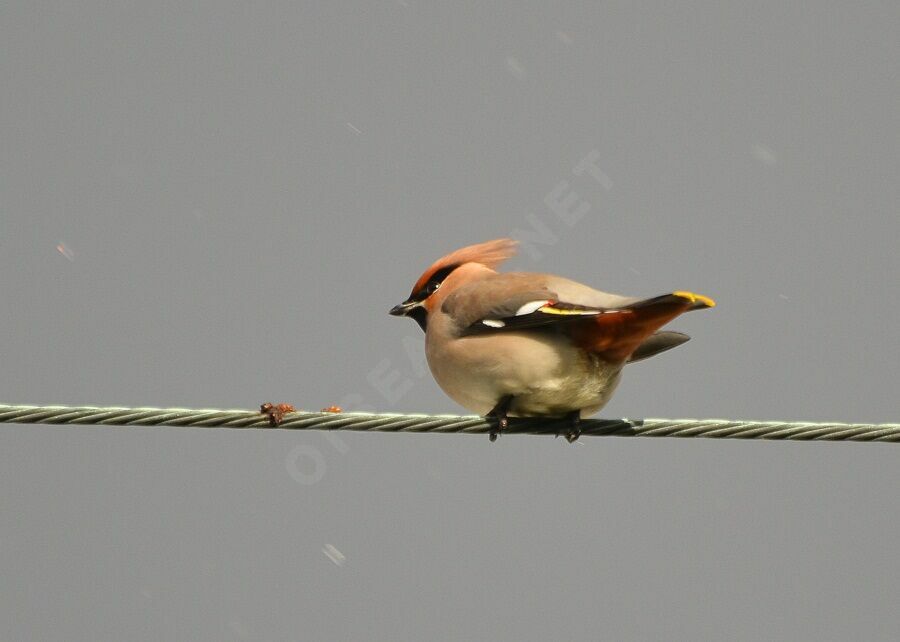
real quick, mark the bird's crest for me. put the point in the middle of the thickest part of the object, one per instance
(490, 254)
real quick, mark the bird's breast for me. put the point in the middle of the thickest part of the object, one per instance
(544, 372)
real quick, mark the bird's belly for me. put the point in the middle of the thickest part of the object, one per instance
(545, 374)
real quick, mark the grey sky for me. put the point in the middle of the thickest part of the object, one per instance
(214, 204)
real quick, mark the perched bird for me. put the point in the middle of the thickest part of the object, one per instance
(526, 344)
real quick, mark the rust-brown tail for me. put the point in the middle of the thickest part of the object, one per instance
(615, 335)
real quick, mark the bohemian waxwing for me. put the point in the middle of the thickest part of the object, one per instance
(526, 344)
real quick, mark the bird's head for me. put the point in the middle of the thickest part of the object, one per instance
(424, 295)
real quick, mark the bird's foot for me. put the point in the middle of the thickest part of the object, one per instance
(575, 427)
(499, 413)
(275, 412)
(502, 424)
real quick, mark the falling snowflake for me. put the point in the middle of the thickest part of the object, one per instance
(333, 554)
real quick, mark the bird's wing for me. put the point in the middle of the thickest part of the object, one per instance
(608, 325)
(516, 301)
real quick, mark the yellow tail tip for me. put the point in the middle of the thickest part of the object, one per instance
(696, 298)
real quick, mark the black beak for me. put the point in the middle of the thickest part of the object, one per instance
(412, 309)
(403, 309)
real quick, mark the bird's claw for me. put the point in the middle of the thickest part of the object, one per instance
(502, 424)
(574, 431)
(499, 413)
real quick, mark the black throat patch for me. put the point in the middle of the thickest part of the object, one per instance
(420, 316)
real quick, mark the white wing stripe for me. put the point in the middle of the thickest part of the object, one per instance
(531, 306)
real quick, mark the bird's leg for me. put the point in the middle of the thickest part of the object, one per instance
(575, 429)
(499, 413)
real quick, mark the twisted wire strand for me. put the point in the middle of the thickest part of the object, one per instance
(208, 418)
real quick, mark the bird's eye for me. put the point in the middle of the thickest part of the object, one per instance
(432, 284)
